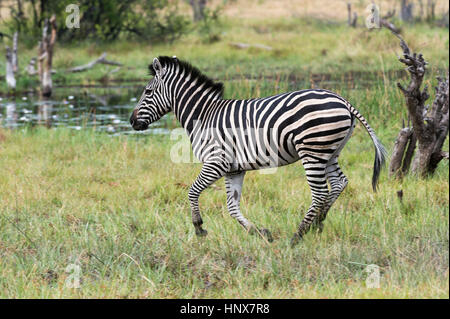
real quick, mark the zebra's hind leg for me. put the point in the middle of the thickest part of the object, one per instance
(335, 177)
(210, 173)
(316, 177)
(233, 184)
(338, 181)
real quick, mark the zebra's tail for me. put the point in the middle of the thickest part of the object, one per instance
(380, 151)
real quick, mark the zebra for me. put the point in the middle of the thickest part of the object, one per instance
(308, 125)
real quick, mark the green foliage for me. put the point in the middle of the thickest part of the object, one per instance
(171, 27)
(153, 20)
(210, 27)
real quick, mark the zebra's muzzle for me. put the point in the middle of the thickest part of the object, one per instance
(138, 125)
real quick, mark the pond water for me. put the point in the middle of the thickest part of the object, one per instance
(104, 109)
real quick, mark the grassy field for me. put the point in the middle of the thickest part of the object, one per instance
(117, 207)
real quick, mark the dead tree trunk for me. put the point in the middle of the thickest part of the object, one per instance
(406, 11)
(436, 123)
(198, 7)
(421, 11)
(403, 152)
(15, 59)
(429, 126)
(31, 69)
(10, 79)
(351, 20)
(431, 6)
(443, 22)
(45, 56)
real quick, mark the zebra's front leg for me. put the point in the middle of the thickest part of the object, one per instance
(210, 173)
(233, 184)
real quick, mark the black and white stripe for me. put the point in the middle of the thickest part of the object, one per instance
(231, 137)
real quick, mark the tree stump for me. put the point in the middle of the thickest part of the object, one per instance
(198, 8)
(429, 125)
(15, 59)
(10, 79)
(45, 56)
(351, 20)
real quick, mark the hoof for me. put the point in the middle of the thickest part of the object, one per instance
(320, 228)
(262, 232)
(317, 226)
(295, 239)
(201, 232)
(266, 233)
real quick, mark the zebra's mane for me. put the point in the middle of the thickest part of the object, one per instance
(189, 69)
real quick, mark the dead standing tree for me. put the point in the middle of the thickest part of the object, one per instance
(406, 11)
(45, 56)
(44, 61)
(351, 20)
(198, 8)
(15, 59)
(429, 126)
(10, 79)
(12, 63)
(431, 6)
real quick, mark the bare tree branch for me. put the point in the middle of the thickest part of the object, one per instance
(102, 59)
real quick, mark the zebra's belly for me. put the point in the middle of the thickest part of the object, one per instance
(266, 150)
(275, 162)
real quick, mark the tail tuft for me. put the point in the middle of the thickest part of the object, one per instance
(380, 159)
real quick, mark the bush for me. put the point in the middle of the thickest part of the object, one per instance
(154, 20)
(210, 25)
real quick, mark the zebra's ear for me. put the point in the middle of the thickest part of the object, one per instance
(157, 67)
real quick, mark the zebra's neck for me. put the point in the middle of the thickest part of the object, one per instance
(192, 101)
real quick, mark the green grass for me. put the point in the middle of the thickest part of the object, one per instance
(118, 208)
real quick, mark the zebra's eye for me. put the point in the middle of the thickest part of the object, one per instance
(147, 91)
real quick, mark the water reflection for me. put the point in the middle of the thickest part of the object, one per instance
(11, 115)
(106, 110)
(45, 113)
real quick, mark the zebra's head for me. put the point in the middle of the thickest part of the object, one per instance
(154, 102)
